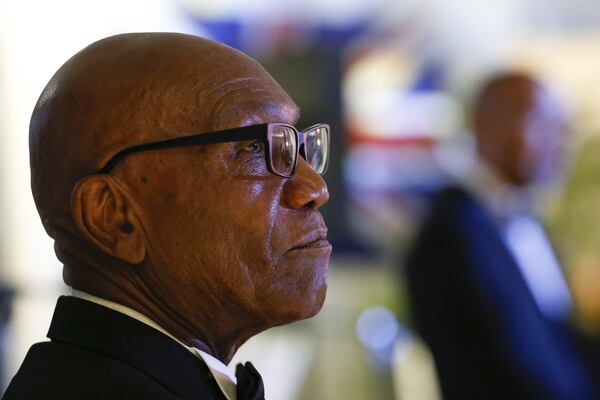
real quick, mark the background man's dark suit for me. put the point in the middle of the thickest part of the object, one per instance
(473, 308)
(108, 355)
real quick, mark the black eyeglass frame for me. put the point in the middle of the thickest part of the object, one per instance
(262, 132)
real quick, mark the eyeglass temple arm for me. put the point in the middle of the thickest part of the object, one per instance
(228, 135)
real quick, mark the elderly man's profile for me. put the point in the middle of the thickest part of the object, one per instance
(184, 206)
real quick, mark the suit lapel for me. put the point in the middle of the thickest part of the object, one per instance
(88, 325)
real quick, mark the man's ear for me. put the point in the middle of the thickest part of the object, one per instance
(103, 214)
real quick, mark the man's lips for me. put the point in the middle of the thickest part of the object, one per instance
(315, 244)
(313, 240)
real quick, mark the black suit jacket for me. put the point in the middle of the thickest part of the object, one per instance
(98, 353)
(473, 308)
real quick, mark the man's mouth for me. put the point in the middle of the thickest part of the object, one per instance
(318, 243)
(316, 240)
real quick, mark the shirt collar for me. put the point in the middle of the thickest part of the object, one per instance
(222, 373)
(500, 198)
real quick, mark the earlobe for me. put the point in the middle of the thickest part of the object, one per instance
(102, 212)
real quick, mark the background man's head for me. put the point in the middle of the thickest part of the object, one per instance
(204, 235)
(520, 129)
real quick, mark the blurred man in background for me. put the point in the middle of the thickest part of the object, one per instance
(184, 207)
(486, 289)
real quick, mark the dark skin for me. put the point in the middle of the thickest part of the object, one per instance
(520, 129)
(202, 239)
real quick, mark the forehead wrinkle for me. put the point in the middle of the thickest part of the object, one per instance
(232, 83)
(242, 89)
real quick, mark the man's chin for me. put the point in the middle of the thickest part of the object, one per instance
(318, 302)
(307, 307)
(303, 294)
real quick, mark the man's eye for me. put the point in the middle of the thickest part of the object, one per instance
(255, 147)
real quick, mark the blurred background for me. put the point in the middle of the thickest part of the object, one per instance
(395, 79)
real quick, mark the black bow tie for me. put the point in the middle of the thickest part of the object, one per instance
(249, 383)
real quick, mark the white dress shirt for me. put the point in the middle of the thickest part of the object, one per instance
(222, 373)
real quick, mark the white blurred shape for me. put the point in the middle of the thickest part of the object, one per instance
(389, 168)
(380, 102)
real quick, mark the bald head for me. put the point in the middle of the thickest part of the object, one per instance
(131, 89)
(202, 238)
(519, 128)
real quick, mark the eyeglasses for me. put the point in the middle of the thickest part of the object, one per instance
(284, 143)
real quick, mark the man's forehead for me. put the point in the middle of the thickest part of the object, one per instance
(286, 114)
(208, 91)
(251, 101)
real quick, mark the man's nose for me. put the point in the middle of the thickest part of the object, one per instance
(306, 188)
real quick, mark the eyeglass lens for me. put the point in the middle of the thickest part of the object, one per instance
(283, 150)
(316, 148)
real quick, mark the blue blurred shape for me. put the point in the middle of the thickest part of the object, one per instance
(379, 332)
(227, 31)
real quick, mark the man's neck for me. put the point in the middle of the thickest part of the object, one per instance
(498, 195)
(216, 325)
